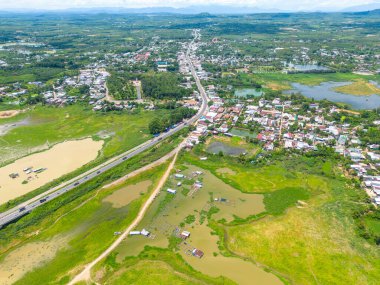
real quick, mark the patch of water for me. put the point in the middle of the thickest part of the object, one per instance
(216, 147)
(248, 92)
(5, 128)
(326, 91)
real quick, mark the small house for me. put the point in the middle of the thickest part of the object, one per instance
(179, 176)
(144, 232)
(171, 191)
(197, 253)
(184, 235)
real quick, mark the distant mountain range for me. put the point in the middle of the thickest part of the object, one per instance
(363, 8)
(212, 9)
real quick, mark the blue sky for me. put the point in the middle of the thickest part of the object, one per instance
(295, 5)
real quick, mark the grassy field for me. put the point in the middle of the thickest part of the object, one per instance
(84, 228)
(49, 125)
(360, 88)
(281, 81)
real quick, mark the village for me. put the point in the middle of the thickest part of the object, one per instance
(278, 123)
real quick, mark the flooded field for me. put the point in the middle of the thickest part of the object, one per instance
(29, 256)
(214, 264)
(125, 195)
(248, 92)
(33, 171)
(305, 67)
(326, 91)
(170, 214)
(216, 147)
(243, 133)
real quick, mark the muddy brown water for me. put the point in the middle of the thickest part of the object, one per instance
(161, 226)
(127, 194)
(59, 160)
(236, 269)
(29, 256)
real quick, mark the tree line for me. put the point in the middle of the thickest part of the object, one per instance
(158, 125)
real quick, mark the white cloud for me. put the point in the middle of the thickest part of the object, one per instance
(278, 4)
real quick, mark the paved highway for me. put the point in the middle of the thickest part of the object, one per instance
(30, 205)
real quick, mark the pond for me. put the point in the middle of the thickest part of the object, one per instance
(306, 67)
(216, 147)
(242, 133)
(5, 128)
(248, 92)
(326, 91)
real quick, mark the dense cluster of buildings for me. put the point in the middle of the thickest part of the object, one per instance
(94, 79)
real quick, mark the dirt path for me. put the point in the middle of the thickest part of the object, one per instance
(85, 275)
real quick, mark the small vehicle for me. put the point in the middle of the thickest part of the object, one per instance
(97, 172)
(76, 183)
(21, 209)
(43, 200)
(124, 158)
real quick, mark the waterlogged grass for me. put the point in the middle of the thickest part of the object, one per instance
(50, 125)
(91, 223)
(360, 88)
(281, 81)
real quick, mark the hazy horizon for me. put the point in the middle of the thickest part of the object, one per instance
(290, 5)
